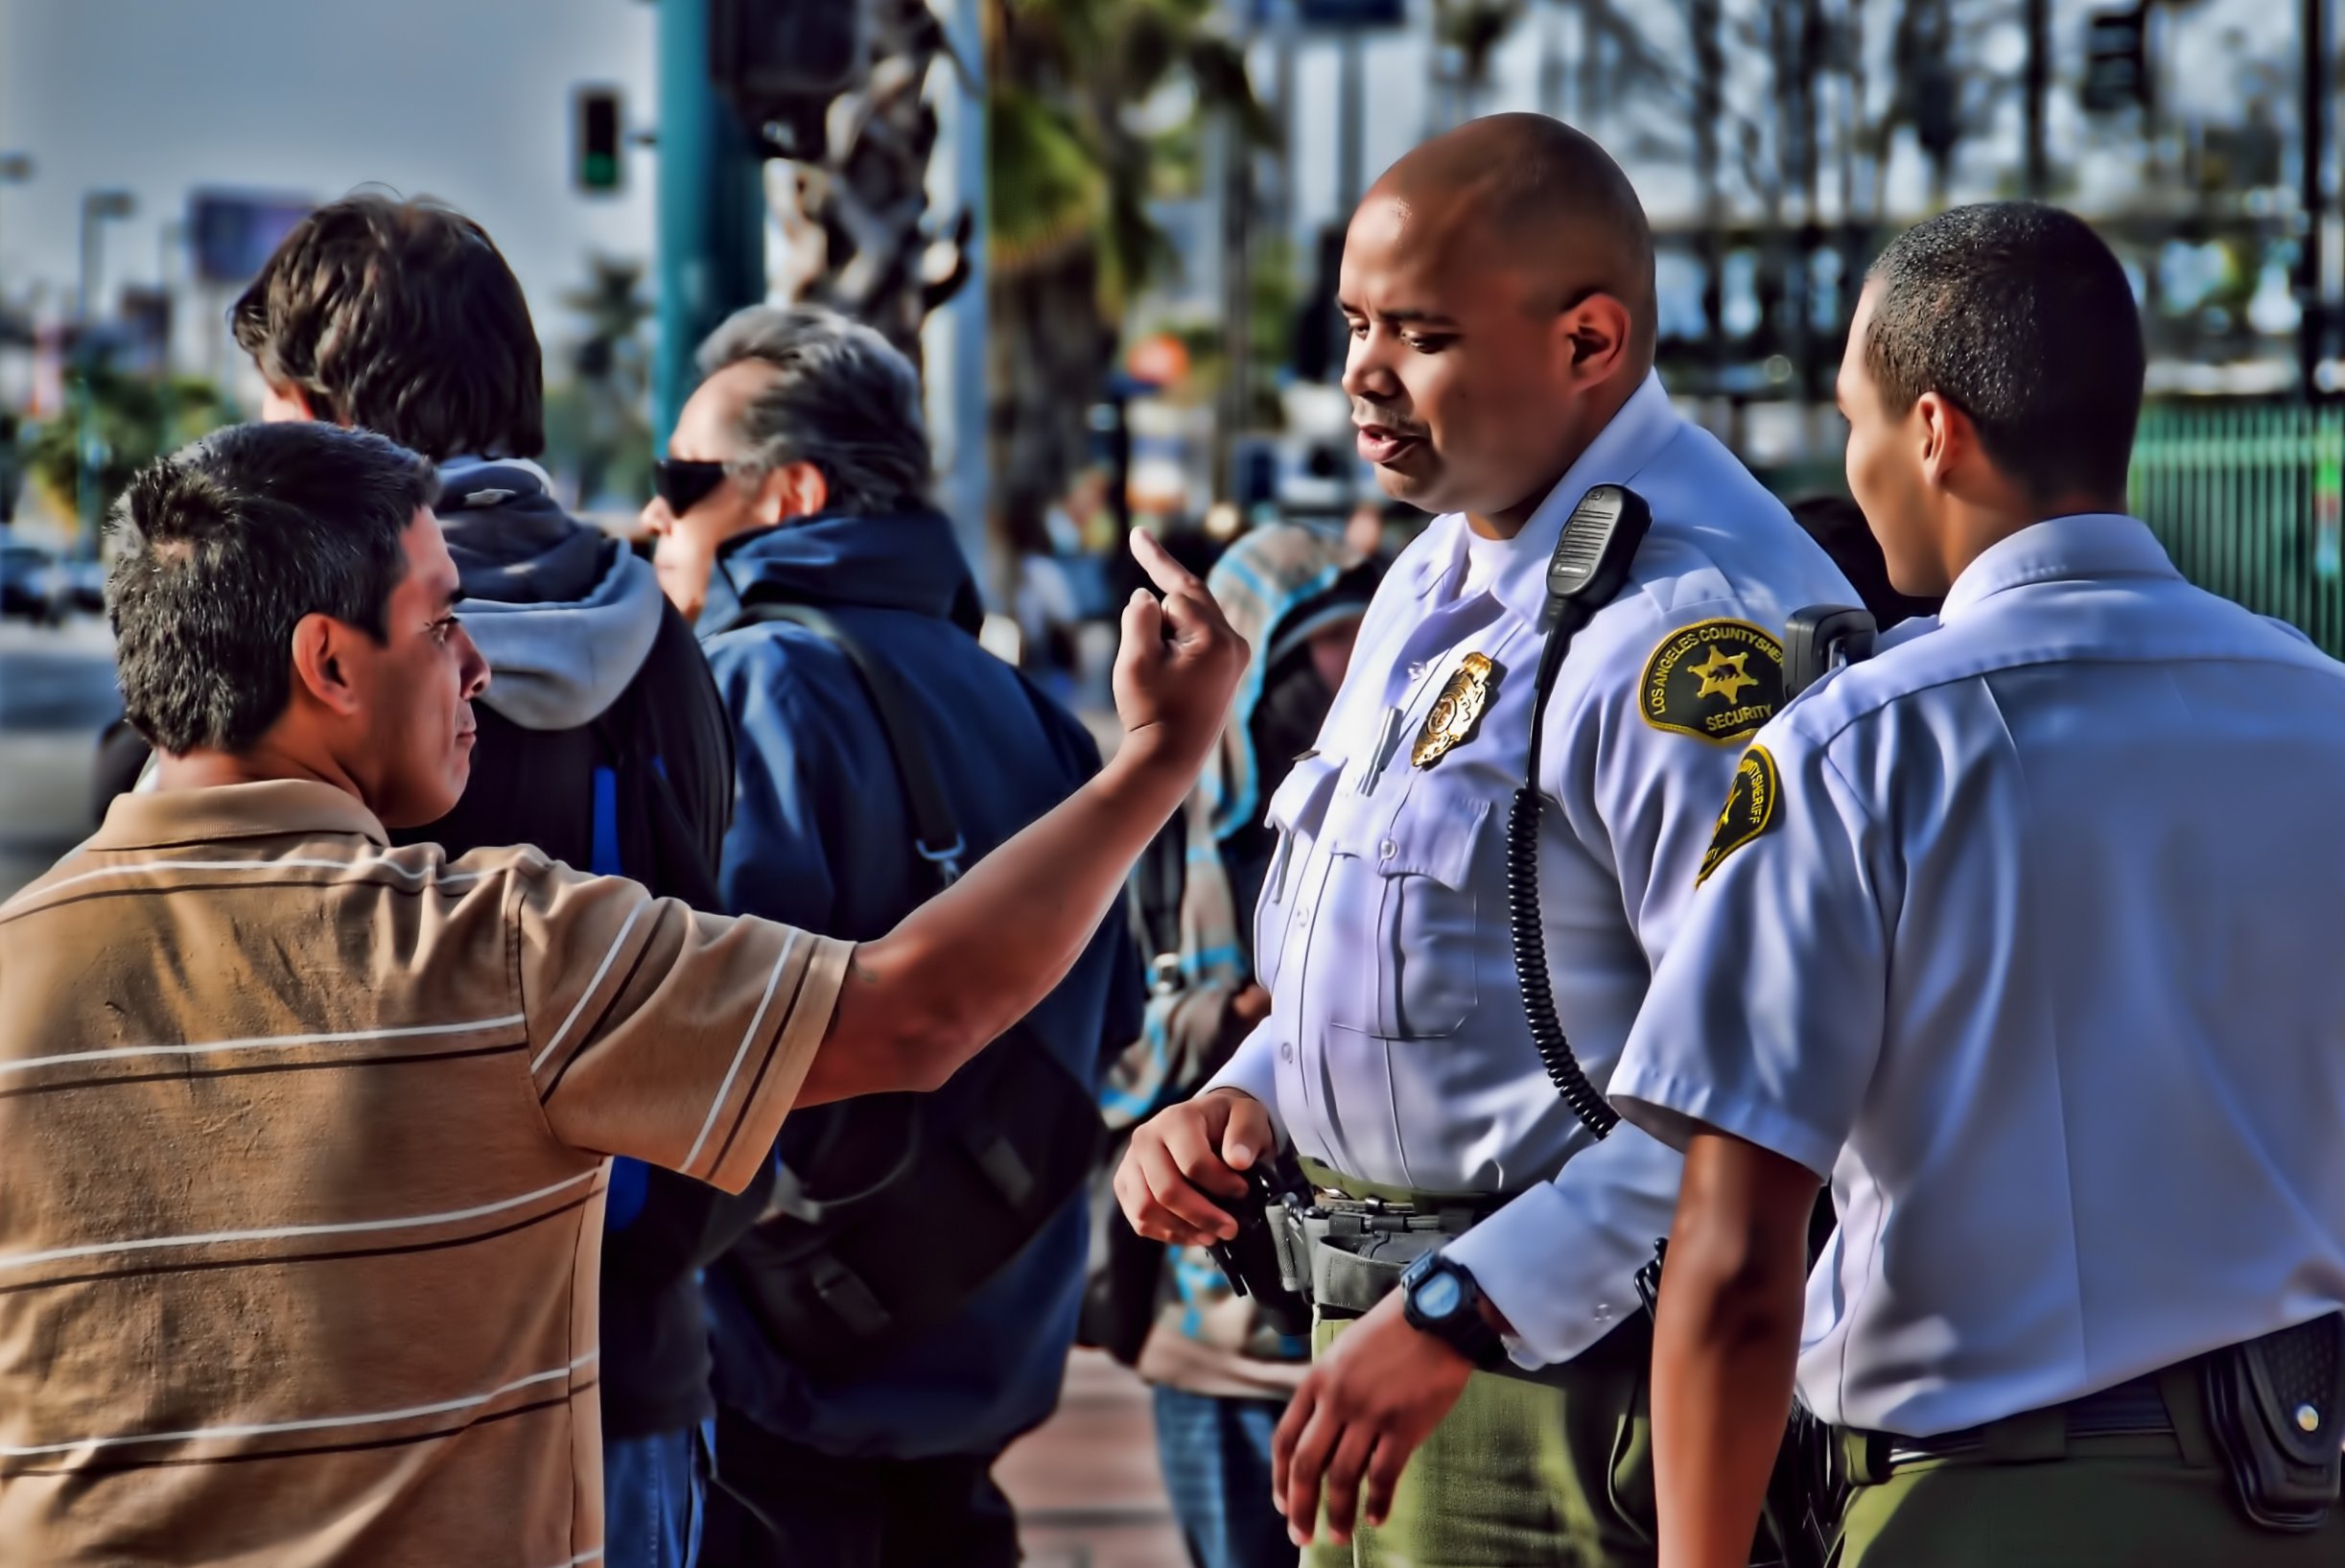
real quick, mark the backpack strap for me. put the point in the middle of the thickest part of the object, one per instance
(938, 838)
(1156, 888)
(625, 777)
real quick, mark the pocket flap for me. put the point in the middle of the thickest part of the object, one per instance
(1301, 798)
(1434, 834)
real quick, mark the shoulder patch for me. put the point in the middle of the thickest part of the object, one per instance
(1716, 680)
(1750, 811)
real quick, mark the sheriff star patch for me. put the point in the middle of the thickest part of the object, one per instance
(1751, 810)
(1718, 680)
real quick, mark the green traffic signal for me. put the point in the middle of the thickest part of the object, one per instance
(598, 125)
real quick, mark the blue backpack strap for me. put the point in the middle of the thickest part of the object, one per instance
(630, 1181)
(603, 858)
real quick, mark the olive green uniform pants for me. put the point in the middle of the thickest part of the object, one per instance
(1524, 1475)
(2035, 1497)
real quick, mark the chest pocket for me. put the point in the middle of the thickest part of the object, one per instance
(1428, 940)
(1298, 808)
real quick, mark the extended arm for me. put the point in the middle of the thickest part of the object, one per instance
(975, 959)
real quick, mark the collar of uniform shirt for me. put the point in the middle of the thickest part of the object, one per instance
(1635, 435)
(2086, 545)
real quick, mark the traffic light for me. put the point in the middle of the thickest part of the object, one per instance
(779, 63)
(596, 120)
(1351, 13)
(2117, 60)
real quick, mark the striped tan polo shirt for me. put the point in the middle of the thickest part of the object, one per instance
(302, 1158)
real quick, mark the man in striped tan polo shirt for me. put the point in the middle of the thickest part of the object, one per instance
(303, 1138)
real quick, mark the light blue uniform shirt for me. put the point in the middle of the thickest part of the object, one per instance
(2037, 954)
(1396, 1049)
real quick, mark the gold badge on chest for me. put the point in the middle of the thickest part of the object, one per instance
(1457, 711)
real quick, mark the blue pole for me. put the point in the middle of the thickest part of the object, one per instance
(712, 208)
(963, 479)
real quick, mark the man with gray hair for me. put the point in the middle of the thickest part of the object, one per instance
(907, 1307)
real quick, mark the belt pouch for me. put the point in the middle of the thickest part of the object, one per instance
(2274, 1404)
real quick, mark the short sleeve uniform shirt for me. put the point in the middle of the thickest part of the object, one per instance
(2026, 933)
(1395, 1051)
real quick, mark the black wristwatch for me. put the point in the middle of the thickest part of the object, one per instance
(1440, 1299)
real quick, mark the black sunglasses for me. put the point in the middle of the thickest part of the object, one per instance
(685, 484)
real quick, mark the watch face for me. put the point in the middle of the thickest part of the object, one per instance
(1438, 1296)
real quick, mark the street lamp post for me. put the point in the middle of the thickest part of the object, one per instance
(2038, 85)
(2312, 326)
(97, 206)
(15, 168)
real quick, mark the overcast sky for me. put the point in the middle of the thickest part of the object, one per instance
(470, 100)
(464, 100)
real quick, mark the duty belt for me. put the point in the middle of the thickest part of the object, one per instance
(1348, 1249)
(2270, 1408)
(2132, 1409)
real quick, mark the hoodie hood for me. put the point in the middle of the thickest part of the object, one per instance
(1276, 584)
(909, 562)
(563, 613)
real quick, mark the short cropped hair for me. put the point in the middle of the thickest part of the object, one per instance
(401, 317)
(842, 398)
(226, 545)
(2019, 316)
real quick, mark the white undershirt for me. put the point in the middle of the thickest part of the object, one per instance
(1485, 560)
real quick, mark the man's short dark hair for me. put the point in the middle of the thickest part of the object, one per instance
(842, 398)
(226, 545)
(399, 318)
(2020, 317)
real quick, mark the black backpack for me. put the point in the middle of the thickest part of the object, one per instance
(909, 1203)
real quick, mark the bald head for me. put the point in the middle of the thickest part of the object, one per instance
(1533, 195)
(1498, 286)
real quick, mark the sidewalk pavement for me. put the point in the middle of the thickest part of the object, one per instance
(1086, 1483)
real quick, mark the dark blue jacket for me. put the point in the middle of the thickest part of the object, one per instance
(820, 838)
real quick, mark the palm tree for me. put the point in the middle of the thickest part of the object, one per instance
(877, 253)
(1070, 239)
(610, 437)
(1470, 33)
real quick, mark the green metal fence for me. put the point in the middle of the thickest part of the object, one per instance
(2246, 499)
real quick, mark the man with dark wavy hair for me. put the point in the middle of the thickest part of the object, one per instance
(602, 741)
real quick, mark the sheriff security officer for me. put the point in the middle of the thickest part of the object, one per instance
(2025, 933)
(1498, 283)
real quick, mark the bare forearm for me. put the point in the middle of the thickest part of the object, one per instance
(977, 958)
(1724, 1349)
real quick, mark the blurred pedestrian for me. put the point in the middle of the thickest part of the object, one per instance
(11, 467)
(880, 751)
(602, 741)
(305, 1137)
(1222, 1373)
(1838, 524)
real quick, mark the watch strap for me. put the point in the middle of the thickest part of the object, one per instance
(1465, 1331)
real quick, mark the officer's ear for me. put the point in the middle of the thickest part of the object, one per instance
(1948, 437)
(1592, 333)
